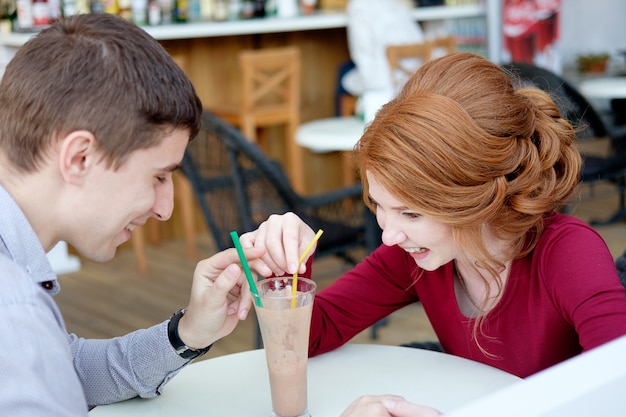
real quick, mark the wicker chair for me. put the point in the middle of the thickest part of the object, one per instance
(620, 264)
(238, 186)
(578, 111)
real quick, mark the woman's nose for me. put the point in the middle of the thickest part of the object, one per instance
(392, 233)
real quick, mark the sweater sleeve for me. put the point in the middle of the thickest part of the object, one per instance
(580, 274)
(378, 286)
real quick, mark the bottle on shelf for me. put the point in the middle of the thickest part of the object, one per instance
(247, 9)
(194, 13)
(110, 6)
(287, 8)
(24, 21)
(125, 9)
(69, 8)
(96, 6)
(167, 7)
(234, 9)
(9, 14)
(308, 6)
(139, 11)
(54, 10)
(206, 9)
(81, 6)
(41, 13)
(180, 11)
(220, 10)
(258, 8)
(154, 13)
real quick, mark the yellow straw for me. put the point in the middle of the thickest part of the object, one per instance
(294, 283)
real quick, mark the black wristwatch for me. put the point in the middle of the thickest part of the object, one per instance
(179, 346)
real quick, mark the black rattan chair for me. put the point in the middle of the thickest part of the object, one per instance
(620, 264)
(590, 124)
(238, 186)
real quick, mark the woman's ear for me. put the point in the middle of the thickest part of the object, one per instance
(77, 155)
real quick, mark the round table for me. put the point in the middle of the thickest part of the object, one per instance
(600, 91)
(333, 134)
(237, 385)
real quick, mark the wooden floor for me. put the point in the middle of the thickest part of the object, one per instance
(111, 299)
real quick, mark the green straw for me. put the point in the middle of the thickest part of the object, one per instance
(246, 268)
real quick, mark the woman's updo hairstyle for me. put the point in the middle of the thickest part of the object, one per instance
(461, 145)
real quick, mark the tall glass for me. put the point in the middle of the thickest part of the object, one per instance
(285, 326)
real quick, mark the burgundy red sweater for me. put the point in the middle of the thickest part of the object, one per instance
(563, 298)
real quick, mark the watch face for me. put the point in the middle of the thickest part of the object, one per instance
(187, 353)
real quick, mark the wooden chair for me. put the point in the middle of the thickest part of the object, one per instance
(270, 95)
(404, 59)
(443, 45)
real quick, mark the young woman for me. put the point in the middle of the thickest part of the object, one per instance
(467, 176)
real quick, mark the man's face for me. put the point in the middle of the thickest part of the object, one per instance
(117, 201)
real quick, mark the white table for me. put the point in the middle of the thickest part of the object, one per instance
(599, 91)
(590, 384)
(333, 134)
(237, 385)
(330, 135)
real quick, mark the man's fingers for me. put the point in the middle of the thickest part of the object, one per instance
(225, 282)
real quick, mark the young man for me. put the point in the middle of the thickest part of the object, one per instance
(95, 116)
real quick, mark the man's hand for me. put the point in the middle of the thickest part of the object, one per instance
(220, 297)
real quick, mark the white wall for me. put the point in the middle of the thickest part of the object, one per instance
(592, 26)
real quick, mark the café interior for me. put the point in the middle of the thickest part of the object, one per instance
(167, 252)
(304, 144)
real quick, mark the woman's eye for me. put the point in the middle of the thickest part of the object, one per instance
(412, 215)
(162, 180)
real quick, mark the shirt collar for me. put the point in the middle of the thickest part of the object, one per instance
(19, 242)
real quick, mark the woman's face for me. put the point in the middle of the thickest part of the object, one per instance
(427, 241)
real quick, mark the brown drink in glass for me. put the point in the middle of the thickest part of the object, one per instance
(285, 326)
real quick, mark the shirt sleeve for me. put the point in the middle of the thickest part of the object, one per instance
(137, 364)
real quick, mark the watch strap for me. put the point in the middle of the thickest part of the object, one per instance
(179, 346)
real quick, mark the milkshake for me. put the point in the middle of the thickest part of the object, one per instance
(285, 330)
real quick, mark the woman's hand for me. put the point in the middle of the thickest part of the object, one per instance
(387, 406)
(220, 297)
(284, 238)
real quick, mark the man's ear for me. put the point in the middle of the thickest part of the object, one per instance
(77, 155)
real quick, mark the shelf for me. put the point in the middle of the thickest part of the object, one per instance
(271, 24)
(293, 24)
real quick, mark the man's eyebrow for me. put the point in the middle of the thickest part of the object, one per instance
(171, 168)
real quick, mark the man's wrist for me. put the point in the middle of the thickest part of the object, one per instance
(179, 346)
